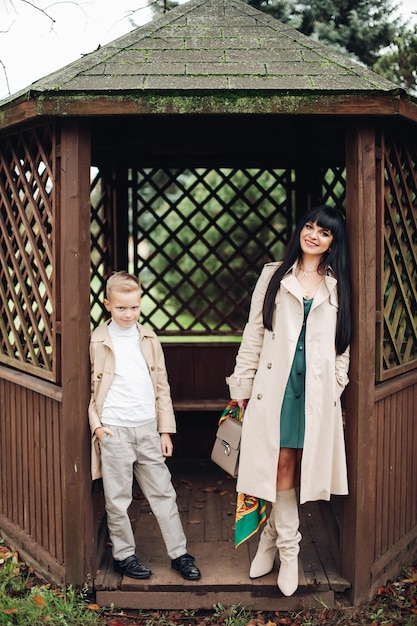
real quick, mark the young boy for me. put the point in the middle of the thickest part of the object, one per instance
(131, 416)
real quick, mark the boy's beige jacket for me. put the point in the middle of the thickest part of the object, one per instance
(262, 368)
(102, 372)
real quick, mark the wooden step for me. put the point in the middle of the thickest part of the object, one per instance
(206, 500)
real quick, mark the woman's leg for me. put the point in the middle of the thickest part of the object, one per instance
(287, 519)
(288, 468)
(264, 559)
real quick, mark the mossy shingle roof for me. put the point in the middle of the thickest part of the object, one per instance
(212, 45)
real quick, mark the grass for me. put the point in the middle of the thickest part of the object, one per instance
(27, 601)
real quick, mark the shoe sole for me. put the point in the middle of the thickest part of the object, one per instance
(123, 573)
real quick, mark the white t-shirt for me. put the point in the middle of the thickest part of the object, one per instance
(130, 400)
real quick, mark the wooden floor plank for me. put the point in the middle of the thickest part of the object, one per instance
(313, 569)
(206, 500)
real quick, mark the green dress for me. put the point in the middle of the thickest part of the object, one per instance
(292, 425)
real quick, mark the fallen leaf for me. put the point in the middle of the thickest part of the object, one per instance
(8, 611)
(115, 622)
(194, 521)
(210, 489)
(413, 579)
(39, 601)
(5, 553)
(93, 607)
(199, 506)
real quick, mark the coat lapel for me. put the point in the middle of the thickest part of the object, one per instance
(291, 284)
(326, 289)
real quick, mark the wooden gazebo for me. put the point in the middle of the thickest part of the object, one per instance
(183, 152)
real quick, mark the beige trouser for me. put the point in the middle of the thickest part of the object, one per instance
(137, 452)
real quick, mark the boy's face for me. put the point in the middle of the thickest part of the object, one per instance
(124, 307)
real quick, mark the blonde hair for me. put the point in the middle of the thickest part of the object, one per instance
(122, 281)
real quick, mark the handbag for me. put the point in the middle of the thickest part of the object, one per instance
(226, 447)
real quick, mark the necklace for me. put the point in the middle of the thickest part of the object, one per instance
(311, 289)
(310, 285)
(304, 272)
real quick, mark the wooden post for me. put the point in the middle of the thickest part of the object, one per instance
(358, 524)
(74, 310)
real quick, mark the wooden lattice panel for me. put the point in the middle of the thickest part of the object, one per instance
(26, 257)
(101, 244)
(197, 238)
(399, 290)
(201, 237)
(333, 190)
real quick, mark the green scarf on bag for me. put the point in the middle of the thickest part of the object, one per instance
(250, 510)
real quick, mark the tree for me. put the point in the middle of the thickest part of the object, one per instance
(400, 63)
(163, 6)
(366, 30)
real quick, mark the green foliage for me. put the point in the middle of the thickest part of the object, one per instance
(234, 615)
(201, 245)
(400, 62)
(366, 30)
(23, 603)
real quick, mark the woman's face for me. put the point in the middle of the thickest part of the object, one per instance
(315, 240)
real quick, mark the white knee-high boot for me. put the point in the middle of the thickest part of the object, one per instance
(264, 558)
(288, 539)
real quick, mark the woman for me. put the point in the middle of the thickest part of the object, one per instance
(293, 366)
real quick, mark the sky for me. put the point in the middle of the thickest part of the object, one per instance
(32, 46)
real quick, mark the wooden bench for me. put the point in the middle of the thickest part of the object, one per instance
(197, 373)
(200, 404)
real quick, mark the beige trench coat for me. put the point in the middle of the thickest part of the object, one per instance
(102, 372)
(262, 368)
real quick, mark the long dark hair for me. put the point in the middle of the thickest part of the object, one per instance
(336, 258)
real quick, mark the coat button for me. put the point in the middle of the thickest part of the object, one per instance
(259, 396)
(99, 376)
(152, 368)
(273, 335)
(269, 366)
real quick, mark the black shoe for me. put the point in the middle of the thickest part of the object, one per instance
(186, 567)
(132, 567)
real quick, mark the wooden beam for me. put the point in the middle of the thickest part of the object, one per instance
(358, 526)
(74, 314)
(34, 105)
(42, 387)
